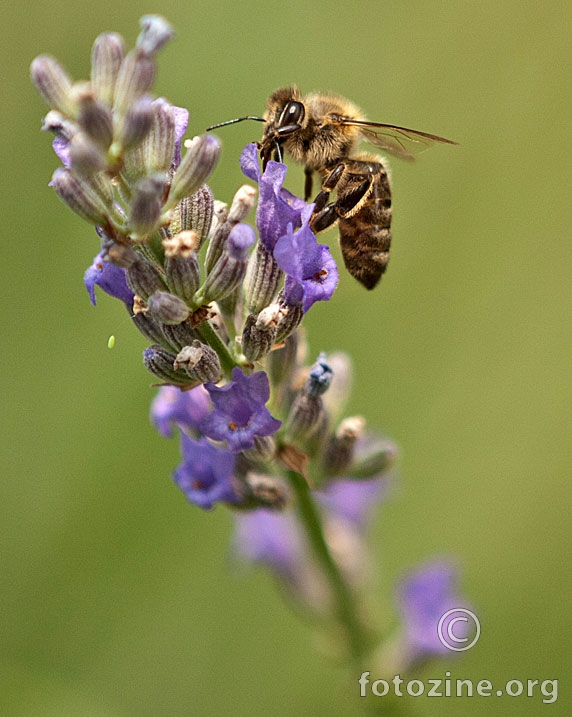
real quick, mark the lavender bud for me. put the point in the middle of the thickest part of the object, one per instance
(167, 309)
(134, 126)
(290, 320)
(60, 125)
(159, 145)
(242, 203)
(319, 378)
(135, 78)
(86, 157)
(268, 491)
(179, 335)
(196, 166)
(160, 362)
(282, 362)
(144, 279)
(194, 213)
(120, 255)
(307, 416)
(339, 392)
(223, 222)
(80, 196)
(340, 449)
(107, 55)
(200, 362)
(374, 457)
(182, 264)
(229, 271)
(146, 205)
(264, 276)
(155, 33)
(151, 329)
(95, 119)
(259, 332)
(54, 84)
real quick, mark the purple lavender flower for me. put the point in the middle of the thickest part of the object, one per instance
(352, 500)
(240, 412)
(205, 475)
(110, 278)
(186, 409)
(271, 538)
(277, 208)
(423, 597)
(311, 272)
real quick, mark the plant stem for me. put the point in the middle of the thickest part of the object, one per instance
(345, 605)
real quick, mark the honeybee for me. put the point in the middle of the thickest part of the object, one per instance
(322, 132)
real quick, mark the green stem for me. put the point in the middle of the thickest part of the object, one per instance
(345, 605)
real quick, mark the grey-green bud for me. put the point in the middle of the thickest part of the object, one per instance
(196, 166)
(54, 84)
(200, 362)
(107, 55)
(167, 308)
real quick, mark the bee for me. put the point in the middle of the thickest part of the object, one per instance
(322, 131)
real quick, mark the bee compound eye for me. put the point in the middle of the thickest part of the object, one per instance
(293, 114)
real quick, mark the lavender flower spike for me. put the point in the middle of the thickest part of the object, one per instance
(240, 413)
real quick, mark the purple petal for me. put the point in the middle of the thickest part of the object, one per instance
(173, 407)
(353, 500)
(108, 277)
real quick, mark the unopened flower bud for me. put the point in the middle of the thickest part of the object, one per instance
(182, 264)
(151, 329)
(229, 271)
(196, 166)
(107, 55)
(132, 128)
(144, 279)
(200, 362)
(319, 378)
(267, 491)
(54, 84)
(307, 416)
(180, 335)
(281, 363)
(86, 157)
(94, 118)
(60, 125)
(259, 332)
(372, 457)
(167, 308)
(264, 276)
(339, 392)
(242, 203)
(340, 449)
(155, 33)
(160, 362)
(135, 78)
(194, 213)
(146, 204)
(80, 196)
(291, 318)
(222, 225)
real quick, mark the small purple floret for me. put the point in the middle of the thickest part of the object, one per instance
(205, 475)
(108, 277)
(240, 413)
(173, 407)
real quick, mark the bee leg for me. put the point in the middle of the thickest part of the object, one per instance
(324, 218)
(308, 183)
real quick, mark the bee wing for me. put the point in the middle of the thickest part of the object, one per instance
(400, 141)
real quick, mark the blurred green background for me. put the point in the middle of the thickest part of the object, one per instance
(120, 599)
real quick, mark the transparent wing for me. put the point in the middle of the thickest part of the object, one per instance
(400, 141)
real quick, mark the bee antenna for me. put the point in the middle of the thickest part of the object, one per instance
(234, 121)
